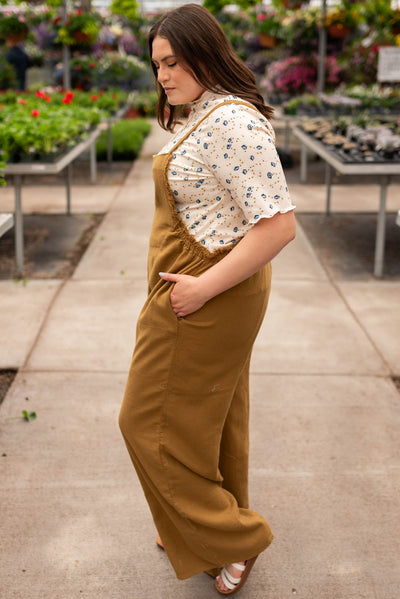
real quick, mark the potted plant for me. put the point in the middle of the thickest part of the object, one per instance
(268, 26)
(13, 27)
(79, 28)
(340, 22)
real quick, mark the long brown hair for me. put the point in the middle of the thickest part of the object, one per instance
(198, 40)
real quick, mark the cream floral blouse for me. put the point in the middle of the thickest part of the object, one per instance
(226, 175)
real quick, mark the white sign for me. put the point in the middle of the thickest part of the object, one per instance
(389, 63)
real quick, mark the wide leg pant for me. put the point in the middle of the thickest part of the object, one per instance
(185, 422)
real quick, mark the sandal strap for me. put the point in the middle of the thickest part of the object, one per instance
(229, 580)
(241, 567)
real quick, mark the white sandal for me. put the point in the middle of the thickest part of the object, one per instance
(232, 583)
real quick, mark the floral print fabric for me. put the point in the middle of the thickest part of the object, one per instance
(226, 175)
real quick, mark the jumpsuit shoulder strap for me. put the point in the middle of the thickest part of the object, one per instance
(206, 116)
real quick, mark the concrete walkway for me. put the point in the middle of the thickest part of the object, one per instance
(325, 421)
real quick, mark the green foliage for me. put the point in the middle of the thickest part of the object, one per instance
(28, 416)
(125, 8)
(12, 24)
(7, 74)
(128, 137)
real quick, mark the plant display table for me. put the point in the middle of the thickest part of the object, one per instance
(48, 168)
(384, 170)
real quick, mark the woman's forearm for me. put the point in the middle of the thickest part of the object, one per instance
(259, 246)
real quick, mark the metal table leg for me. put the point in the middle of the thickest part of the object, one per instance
(19, 226)
(303, 163)
(381, 228)
(287, 137)
(93, 163)
(328, 179)
(68, 187)
(109, 142)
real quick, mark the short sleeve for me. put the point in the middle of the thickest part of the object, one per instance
(241, 153)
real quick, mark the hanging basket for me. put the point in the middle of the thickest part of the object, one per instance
(267, 41)
(82, 38)
(339, 31)
(16, 37)
(291, 4)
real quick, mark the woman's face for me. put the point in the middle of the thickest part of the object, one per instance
(179, 85)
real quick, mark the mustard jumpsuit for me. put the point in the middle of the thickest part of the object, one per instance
(185, 411)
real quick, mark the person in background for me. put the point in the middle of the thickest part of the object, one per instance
(20, 60)
(222, 213)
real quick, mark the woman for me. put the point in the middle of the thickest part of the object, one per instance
(222, 213)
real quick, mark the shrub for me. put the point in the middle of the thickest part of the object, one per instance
(128, 138)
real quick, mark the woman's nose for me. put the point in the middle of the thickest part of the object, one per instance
(162, 74)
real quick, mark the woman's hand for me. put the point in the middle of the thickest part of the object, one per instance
(260, 245)
(187, 295)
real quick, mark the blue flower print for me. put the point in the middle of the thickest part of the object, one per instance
(232, 208)
(198, 142)
(276, 197)
(213, 232)
(236, 229)
(204, 217)
(228, 147)
(186, 178)
(217, 120)
(244, 222)
(187, 216)
(214, 166)
(244, 171)
(219, 215)
(269, 175)
(225, 123)
(236, 168)
(271, 206)
(205, 146)
(273, 164)
(173, 173)
(252, 157)
(174, 156)
(246, 203)
(203, 242)
(198, 201)
(175, 192)
(256, 216)
(185, 170)
(228, 181)
(226, 155)
(244, 147)
(230, 140)
(263, 196)
(233, 111)
(218, 198)
(221, 241)
(250, 127)
(199, 170)
(209, 134)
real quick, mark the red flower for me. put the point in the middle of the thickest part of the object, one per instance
(92, 65)
(69, 96)
(35, 112)
(94, 97)
(22, 101)
(1, 106)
